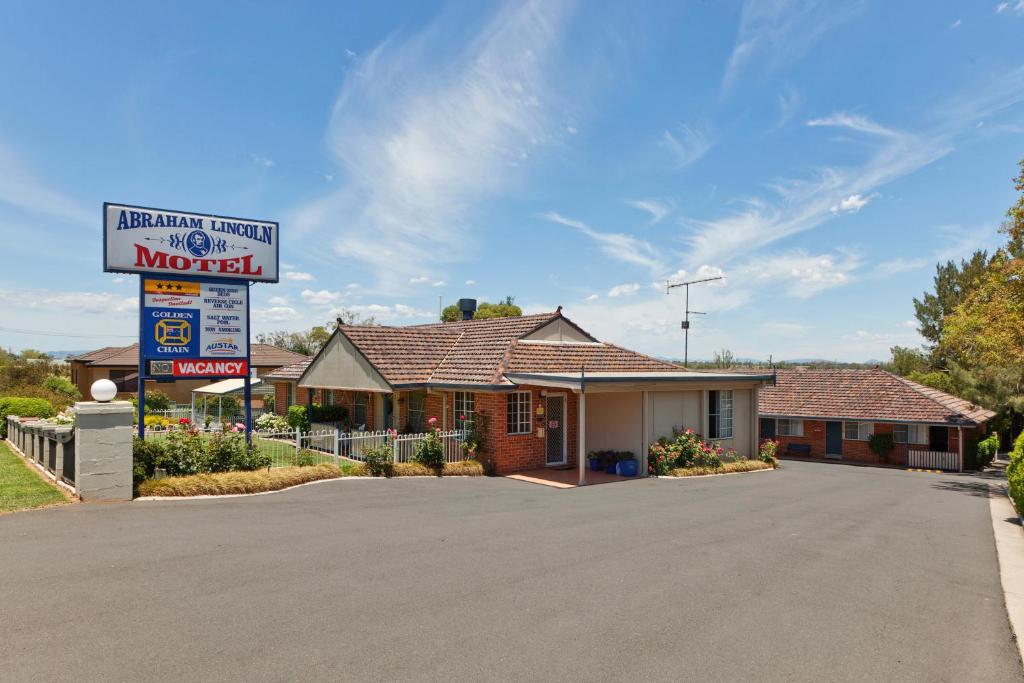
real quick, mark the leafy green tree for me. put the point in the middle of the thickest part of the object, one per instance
(953, 282)
(309, 342)
(724, 359)
(506, 308)
(906, 360)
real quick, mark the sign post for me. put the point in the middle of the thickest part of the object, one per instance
(195, 272)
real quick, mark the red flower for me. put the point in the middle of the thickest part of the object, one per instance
(184, 421)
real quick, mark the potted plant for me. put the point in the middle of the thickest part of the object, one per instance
(595, 461)
(627, 465)
(609, 459)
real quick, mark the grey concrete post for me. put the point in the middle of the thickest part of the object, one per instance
(103, 450)
(30, 442)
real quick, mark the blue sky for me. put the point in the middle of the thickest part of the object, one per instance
(821, 155)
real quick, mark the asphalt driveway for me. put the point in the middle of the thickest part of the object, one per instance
(813, 572)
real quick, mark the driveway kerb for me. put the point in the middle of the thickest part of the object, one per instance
(1009, 538)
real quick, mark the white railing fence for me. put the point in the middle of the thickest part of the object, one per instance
(287, 448)
(934, 460)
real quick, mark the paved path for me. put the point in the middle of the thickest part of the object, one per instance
(815, 572)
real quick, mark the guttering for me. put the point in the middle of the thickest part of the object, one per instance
(453, 385)
(596, 378)
(947, 423)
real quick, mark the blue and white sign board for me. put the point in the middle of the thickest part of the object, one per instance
(137, 239)
(195, 328)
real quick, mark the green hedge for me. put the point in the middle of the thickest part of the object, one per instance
(1015, 473)
(22, 407)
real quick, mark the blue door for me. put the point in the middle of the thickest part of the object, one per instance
(834, 439)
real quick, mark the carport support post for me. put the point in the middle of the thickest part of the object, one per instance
(960, 447)
(645, 411)
(581, 437)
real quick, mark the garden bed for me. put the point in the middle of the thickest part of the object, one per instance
(726, 468)
(277, 478)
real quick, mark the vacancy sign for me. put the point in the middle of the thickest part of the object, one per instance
(201, 328)
(155, 241)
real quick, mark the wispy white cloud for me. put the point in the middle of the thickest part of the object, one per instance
(619, 246)
(278, 301)
(624, 289)
(274, 314)
(470, 282)
(22, 189)
(956, 24)
(425, 132)
(775, 33)
(853, 203)
(298, 276)
(322, 297)
(686, 144)
(790, 101)
(439, 283)
(801, 275)
(956, 242)
(79, 302)
(1017, 7)
(890, 154)
(419, 280)
(263, 161)
(592, 297)
(657, 208)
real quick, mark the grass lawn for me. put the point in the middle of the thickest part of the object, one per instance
(21, 488)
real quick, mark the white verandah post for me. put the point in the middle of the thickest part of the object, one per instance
(581, 432)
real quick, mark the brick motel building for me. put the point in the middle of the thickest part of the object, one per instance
(550, 391)
(833, 413)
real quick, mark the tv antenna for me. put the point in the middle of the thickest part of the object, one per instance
(669, 286)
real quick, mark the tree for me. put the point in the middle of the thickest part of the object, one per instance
(952, 284)
(506, 308)
(309, 342)
(987, 329)
(724, 359)
(906, 360)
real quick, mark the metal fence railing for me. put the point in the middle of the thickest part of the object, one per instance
(286, 448)
(934, 460)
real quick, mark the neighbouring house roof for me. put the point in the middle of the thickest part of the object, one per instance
(483, 353)
(872, 394)
(291, 372)
(262, 356)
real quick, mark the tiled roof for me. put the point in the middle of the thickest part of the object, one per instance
(479, 352)
(262, 355)
(292, 371)
(527, 357)
(864, 395)
(403, 354)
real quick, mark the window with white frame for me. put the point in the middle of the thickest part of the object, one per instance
(790, 428)
(359, 404)
(464, 404)
(858, 431)
(720, 414)
(519, 418)
(912, 434)
(417, 403)
(291, 393)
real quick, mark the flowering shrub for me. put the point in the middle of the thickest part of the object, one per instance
(768, 452)
(269, 422)
(686, 449)
(380, 458)
(430, 450)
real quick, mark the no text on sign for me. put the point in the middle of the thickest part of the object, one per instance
(138, 239)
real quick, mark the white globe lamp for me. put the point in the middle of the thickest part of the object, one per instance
(103, 390)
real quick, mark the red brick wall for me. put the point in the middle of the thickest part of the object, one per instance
(516, 452)
(857, 451)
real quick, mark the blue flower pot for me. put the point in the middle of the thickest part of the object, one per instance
(628, 468)
(595, 465)
(610, 469)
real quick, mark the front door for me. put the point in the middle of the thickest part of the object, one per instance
(834, 439)
(554, 410)
(767, 428)
(938, 439)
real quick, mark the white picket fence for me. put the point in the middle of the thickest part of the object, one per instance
(286, 447)
(934, 460)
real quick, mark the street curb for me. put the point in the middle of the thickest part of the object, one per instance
(1009, 539)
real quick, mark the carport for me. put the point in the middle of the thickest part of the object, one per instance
(628, 411)
(235, 385)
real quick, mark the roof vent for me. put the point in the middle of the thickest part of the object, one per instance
(468, 308)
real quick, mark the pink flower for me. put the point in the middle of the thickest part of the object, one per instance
(240, 425)
(432, 421)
